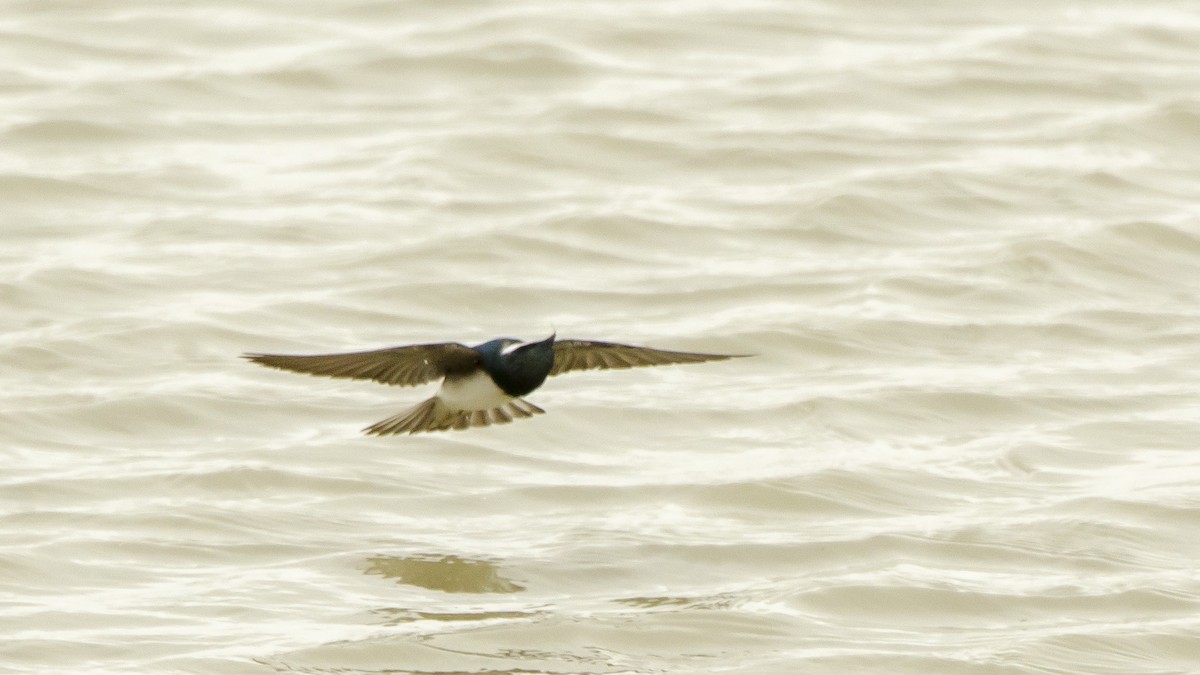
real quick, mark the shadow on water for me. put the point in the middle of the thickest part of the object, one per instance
(395, 616)
(417, 652)
(448, 573)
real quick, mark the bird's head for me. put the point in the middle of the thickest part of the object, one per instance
(518, 367)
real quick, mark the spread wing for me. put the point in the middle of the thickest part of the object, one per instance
(587, 355)
(402, 366)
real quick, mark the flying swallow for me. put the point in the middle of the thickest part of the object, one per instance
(481, 385)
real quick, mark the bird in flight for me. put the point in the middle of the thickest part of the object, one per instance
(481, 385)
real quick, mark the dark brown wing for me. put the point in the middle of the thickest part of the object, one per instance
(402, 366)
(587, 355)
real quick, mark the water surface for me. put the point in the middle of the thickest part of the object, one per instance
(961, 238)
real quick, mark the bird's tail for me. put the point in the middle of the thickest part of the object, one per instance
(434, 415)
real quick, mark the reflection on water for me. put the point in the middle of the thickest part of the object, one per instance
(709, 602)
(448, 573)
(394, 616)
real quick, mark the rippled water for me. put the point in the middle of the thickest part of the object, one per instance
(962, 238)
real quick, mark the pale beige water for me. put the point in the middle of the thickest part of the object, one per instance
(963, 239)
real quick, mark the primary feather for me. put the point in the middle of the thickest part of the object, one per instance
(402, 366)
(589, 355)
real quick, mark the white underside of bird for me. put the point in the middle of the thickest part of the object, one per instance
(469, 401)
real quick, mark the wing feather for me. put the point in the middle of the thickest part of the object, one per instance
(402, 366)
(589, 355)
